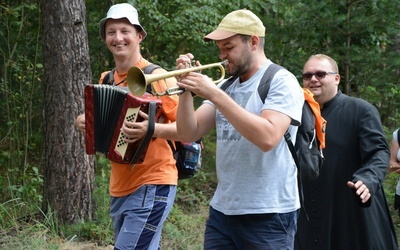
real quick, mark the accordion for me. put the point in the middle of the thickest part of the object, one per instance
(106, 109)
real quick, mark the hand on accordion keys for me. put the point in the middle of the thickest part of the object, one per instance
(134, 131)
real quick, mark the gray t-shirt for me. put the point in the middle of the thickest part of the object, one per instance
(251, 181)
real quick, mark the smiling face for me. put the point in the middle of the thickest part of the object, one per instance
(122, 38)
(321, 78)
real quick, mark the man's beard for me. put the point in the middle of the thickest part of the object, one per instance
(243, 65)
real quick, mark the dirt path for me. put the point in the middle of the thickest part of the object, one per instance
(85, 246)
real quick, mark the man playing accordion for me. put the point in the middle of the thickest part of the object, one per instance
(142, 194)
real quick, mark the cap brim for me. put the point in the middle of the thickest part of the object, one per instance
(218, 35)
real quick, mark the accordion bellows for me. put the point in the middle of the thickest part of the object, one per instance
(106, 109)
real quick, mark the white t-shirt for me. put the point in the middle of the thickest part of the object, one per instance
(251, 181)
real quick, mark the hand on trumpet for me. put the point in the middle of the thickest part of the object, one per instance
(134, 131)
(185, 61)
(195, 82)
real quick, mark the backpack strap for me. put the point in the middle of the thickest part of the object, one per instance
(320, 122)
(149, 134)
(228, 82)
(109, 77)
(265, 82)
(288, 139)
(148, 70)
(263, 90)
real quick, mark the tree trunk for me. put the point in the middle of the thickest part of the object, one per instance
(69, 177)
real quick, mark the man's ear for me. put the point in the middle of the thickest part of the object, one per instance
(337, 78)
(255, 42)
(140, 36)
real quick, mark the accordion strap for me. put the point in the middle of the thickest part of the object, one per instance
(150, 131)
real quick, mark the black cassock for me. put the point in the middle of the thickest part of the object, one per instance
(356, 149)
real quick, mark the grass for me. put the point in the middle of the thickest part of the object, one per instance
(183, 229)
(24, 226)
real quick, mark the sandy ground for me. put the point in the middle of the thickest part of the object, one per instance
(85, 246)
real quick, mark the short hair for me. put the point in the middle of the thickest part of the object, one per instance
(245, 38)
(330, 60)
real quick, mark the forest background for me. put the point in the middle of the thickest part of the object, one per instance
(54, 196)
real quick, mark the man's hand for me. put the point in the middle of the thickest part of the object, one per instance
(134, 131)
(361, 190)
(395, 168)
(195, 82)
(80, 123)
(185, 61)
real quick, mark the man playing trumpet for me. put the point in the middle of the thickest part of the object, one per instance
(256, 203)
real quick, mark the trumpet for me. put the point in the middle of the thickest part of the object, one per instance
(137, 81)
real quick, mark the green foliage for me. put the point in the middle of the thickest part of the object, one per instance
(183, 230)
(95, 231)
(100, 228)
(30, 190)
(362, 36)
(21, 122)
(24, 226)
(101, 59)
(390, 191)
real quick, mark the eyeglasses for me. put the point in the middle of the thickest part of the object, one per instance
(318, 74)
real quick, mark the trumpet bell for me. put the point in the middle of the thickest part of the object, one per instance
(136, 80)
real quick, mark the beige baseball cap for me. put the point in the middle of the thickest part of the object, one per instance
(119, 11)
(242, 22)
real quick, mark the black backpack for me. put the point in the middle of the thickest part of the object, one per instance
(187, 155)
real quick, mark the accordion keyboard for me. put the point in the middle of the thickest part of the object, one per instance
(131, 116)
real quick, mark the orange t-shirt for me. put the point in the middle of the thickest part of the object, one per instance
(158, 166)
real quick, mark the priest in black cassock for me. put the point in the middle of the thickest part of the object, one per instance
(346, 208)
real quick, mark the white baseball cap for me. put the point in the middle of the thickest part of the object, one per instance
(119, 11)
